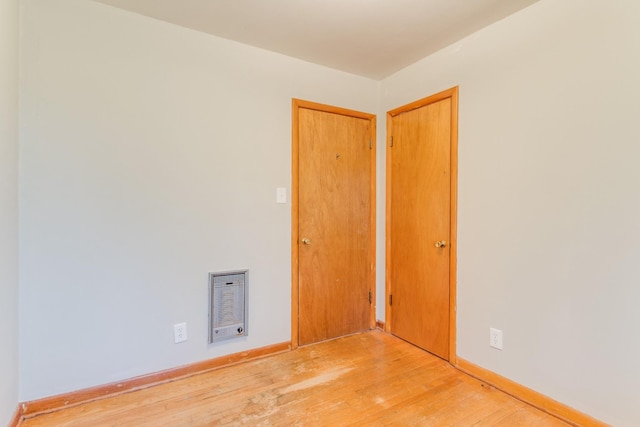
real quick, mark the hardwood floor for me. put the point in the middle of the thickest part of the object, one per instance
(369, 379)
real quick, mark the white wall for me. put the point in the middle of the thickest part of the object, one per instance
(150, 157)
(9, 15)
(549, 200)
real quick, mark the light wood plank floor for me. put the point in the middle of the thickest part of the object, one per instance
(369, 379)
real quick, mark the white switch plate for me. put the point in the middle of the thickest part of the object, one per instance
(179, 332)
(495, 338)
(281, 195)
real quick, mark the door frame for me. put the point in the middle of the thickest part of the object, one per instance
(453, 95)
(296, 105)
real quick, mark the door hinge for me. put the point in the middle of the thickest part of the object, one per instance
(391, 142)
(369, 297)
(370, 143)
(390, 299)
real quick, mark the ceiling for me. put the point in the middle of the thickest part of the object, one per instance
(371, 38)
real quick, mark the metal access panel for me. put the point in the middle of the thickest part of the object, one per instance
(228, 305)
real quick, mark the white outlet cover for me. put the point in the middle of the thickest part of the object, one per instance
(281, 195)
(495, 338)
(179, 332)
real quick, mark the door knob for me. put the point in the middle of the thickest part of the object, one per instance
(306, 241)
(441, 244)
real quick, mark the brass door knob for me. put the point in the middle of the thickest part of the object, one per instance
(441, 244)
(306, 241)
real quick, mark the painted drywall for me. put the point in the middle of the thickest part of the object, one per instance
(150, 156)
(549, 207)
(9, 21)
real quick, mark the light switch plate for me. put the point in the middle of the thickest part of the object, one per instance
(281, 195)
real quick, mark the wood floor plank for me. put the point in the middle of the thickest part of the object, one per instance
(371, 379)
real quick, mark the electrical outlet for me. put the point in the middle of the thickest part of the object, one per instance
(495, 338)
(179, 332)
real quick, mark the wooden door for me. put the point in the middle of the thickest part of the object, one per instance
(334, 234)
(421, 222)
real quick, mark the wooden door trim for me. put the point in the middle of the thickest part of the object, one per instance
(446, 94)
(296, 105)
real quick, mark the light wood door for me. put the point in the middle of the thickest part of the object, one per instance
(334, 221)
(420, 237)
